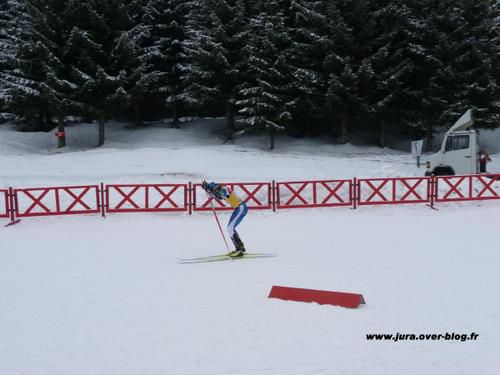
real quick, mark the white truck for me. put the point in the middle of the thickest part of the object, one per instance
(459, 154)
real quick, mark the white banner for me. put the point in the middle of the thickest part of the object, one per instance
(416, 147)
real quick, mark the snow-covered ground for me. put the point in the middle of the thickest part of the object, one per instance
(86, 295)
(159, 154)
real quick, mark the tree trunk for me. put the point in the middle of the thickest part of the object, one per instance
(87, 118)
(272, 138)
(137, 114)
(332, 129)
(41, 122)
(343, 129)
(175, 116)
(61, 140)
(381, 134)
(101, 129)
(230, 121)
(48, 121)
(428, 135)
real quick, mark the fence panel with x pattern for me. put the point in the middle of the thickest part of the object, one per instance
(257, 196)
(61, 200)
(467, 188)
(146, 198)
(397, 190)
(66, 200)
(322, 193)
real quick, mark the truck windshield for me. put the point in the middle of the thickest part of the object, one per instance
(457, 142)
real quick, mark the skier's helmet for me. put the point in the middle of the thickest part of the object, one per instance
(212, 185)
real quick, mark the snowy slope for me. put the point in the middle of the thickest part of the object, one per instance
(159, 154)
(87, 295)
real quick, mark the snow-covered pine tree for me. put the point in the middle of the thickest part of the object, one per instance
(307, 25)
(453, 53)
(9, 30)
(129, 55)
(97, 29)
(163, 51)
(473, 64)
(351, 29)
(15, 28)
(126, 62)
(7, 45)
(266, 99)
(39, 83)
(216, 32)
(421, 39)
(389, 101)
(496, 54)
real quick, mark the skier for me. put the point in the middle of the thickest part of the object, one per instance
(222, 192)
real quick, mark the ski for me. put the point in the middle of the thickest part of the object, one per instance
(223, 257)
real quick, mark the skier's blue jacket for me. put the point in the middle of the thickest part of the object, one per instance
(229, 196)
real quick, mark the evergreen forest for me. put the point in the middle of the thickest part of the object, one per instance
(307, 68)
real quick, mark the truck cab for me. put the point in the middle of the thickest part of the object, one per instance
(459, 151)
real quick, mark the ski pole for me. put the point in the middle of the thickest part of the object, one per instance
(218, 222)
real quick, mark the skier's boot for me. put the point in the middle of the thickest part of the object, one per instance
(238, 244)
(236, 253)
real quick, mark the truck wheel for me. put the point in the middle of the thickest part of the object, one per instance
(444, 171)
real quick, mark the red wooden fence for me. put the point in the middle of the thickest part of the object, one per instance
(123, 198)
(63, 200)
(257, 196)
(302, 194)
(146, 198)
(4, 203)
(400, 190)
(467, 188)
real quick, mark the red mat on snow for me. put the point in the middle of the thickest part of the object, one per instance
(323, 297)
